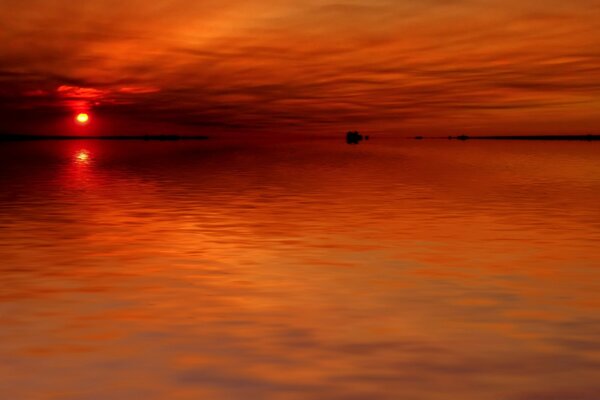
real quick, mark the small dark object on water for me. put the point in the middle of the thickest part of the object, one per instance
(353, 137)
(419, 137)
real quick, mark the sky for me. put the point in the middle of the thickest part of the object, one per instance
(313, 66)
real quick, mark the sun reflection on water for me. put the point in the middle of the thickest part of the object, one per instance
(82, 156)
(80, 170)
(210, 272)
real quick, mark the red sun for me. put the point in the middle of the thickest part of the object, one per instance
(82, 118)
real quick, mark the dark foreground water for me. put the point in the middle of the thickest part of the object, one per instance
(409, 270)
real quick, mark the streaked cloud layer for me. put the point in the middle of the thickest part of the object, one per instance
(441, 66)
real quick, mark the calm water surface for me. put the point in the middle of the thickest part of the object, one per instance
(413, 270)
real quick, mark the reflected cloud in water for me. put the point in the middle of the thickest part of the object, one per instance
(433, 271)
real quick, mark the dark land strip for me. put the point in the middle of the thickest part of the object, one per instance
(523, 137)
(20, 138)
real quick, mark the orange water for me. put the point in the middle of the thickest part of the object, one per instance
(300, 270)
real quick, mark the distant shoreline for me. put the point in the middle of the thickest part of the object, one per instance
(588, 138)
(20, 138)
(25, 138)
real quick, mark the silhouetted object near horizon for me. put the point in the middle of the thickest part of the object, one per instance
(18, 138)
(418, 137)
(355, 137)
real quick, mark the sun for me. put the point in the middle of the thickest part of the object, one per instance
(82, 118)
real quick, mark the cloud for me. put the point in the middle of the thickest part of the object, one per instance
(320, 65)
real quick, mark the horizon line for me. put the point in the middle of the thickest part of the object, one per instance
(585, 137)
(26, 137)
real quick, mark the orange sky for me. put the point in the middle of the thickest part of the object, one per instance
(278, 66)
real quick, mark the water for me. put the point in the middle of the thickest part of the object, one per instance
(399, 269)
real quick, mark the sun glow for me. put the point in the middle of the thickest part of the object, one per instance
(82, 118)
